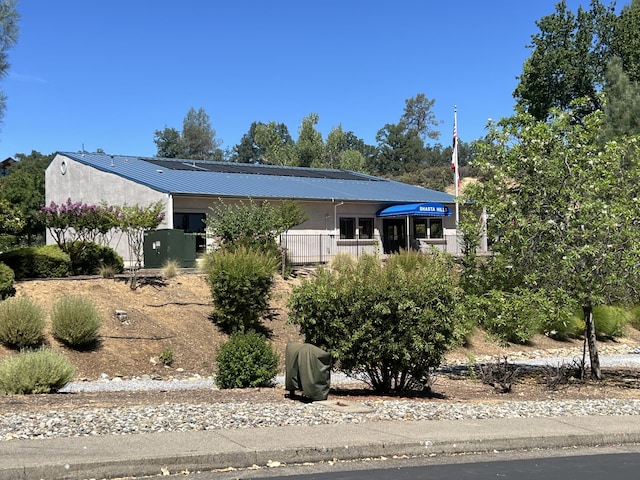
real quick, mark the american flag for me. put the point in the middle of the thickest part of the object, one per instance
(454, 152)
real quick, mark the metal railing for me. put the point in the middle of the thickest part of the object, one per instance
(321, 248)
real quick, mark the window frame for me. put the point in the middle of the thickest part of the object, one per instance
(428, 228)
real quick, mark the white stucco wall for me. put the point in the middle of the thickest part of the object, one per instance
(89, 185)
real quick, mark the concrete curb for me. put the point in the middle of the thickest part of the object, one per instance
(150, 454)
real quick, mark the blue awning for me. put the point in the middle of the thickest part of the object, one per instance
(429, 209)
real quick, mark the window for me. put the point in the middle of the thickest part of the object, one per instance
(365, 228)
(435, 228)
(189, 222)
(427, 228)
(420, 229)
(347, 228)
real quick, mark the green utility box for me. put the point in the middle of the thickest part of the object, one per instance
(169, 244)
(308, 368)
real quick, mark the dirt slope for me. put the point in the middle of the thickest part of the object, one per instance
(161, 314)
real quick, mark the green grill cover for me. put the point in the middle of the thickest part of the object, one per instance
(308, 368)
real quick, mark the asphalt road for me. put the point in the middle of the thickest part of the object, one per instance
(597, 463)
(591, 467)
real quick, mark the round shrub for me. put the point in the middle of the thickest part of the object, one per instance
(46, 261)
(88, 258)
(22, 323)
(240, 283)
(559, 321)
(246, 360)
(75, 321)
(34, 371)
(610, 321)
(392, 323)
(634, 317)
(6, 281)
(516, 316)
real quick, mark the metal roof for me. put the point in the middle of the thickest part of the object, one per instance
(226, 179)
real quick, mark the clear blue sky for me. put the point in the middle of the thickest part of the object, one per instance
(107, 74)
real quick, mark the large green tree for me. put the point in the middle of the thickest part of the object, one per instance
(197, 141)
(9, 18)
(342, 150)
(274, 140)
(23, 188)
(622, 102)
(568, 60)
(564, 209)
(309, 146)
(418, 115)
(400, 149)
(169, 143)
(248, 151)
(626, 39)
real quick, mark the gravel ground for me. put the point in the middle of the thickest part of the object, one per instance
(183, 416)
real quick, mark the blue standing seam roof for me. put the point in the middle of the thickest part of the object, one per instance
(362, 187)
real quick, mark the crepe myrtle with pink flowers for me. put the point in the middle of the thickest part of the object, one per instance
(76, 221)
(73, 224)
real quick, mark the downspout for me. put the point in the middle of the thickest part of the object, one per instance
(335, 216)
(169, 210)
(335, 227)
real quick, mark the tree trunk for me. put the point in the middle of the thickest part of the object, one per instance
(590, 334)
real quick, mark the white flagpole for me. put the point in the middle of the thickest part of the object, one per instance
(454, 162)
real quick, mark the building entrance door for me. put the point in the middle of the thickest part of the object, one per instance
(394, 236)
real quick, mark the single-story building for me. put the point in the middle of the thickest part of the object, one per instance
(348, 211)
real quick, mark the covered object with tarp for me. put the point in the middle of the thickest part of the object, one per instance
(308, 368)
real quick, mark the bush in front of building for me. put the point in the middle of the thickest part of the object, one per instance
(610, 320)
(512, 317)
(240, 283)
(75, 321)
(22, 323)
(6, 281)
(90, 258)
(391, 323)
(46, 261)
(34, 371)
(246, 360)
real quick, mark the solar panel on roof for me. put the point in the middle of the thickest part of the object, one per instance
(249, 169)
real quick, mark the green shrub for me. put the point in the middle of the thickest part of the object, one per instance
(240, 282)
(6, 281)
(610, 321)
(342, 262)
(166, 357)
(564, 326)
(75, 321)
(246, 360)
(22, 323)
(391, 323)
(35, 371)
(46, 261)
(560, 322)
(634, 317)
(410, 260)
(515, 316)
(87, 258)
